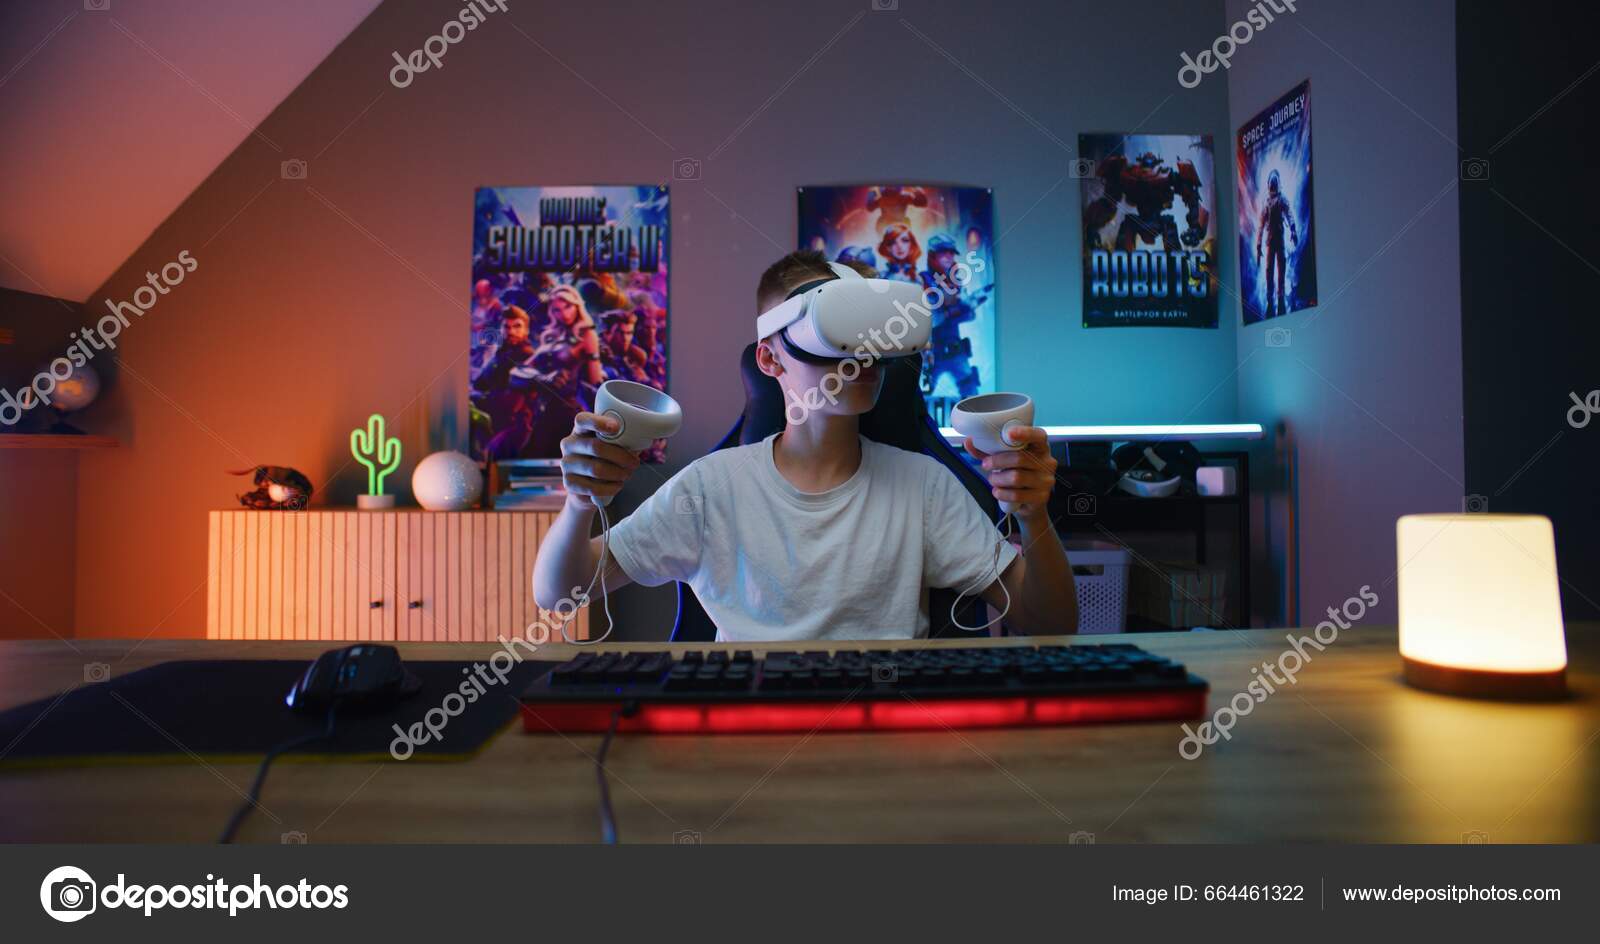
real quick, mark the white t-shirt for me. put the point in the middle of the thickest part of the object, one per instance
(771, 563)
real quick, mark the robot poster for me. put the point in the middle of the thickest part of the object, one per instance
(569, 290)
(941, 238)
(1149, 230)
(1277, 248)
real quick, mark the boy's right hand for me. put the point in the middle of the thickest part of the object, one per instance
(589, 464)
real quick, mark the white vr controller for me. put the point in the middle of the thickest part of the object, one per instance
(988, 420)
(852, 316)
(643, 414)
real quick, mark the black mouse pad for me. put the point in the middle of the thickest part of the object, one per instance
(234, 710)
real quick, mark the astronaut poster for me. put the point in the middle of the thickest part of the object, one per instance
(1277, 244)
(1149, 230)
(941, 238)
(569, 290)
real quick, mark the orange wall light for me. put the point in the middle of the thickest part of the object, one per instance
(1480, 605)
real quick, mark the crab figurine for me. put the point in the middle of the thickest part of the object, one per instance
(278, 488)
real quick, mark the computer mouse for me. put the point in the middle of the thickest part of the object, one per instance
(360, 676)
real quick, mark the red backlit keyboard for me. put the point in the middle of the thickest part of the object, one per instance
(904, 689)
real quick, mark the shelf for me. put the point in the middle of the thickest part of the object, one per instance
(54, 441)
(1120, 497)
(1191, 432)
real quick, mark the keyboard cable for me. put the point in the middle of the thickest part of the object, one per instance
(253, 798)
(608, 817)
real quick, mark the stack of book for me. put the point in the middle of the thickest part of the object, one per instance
(1179, 595)
(527, 485)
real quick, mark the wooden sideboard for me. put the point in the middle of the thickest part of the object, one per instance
(418, 576)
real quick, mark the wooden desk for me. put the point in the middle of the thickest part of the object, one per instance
(1346, 754)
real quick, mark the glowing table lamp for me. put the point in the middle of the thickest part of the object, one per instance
(380, 453)
(1480, 606)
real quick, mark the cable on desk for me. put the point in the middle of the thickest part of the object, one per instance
(608, 818)
(253, 798)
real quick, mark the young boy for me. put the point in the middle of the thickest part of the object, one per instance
(816, 532)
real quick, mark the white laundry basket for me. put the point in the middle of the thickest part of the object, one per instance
(1100, 571)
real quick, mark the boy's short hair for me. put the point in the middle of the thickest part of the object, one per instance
(796, 269)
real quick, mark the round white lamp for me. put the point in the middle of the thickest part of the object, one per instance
(1480, 606)
(447, 481)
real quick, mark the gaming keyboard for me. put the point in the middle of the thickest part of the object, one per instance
(902, 689)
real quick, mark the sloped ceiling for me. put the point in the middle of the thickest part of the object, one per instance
(113, 111)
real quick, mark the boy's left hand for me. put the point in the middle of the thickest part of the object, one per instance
(1023, 477)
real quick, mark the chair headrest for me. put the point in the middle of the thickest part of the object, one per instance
(896, 420)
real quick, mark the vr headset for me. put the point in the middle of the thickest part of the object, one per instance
(828, 320)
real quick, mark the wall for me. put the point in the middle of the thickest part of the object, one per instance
(318, 301)
(37, 529)
(38, 487)
(1529, 265)
(83, 178)
(1370, 384)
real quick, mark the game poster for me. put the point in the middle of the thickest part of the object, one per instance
(1277, 245)
(1149, 230)
(569, 290)
(941, 238)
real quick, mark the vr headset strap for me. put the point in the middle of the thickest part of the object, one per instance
(796, 306)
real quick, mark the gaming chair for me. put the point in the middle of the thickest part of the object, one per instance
(899, 419)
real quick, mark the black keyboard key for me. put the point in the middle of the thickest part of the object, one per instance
(596, 670)
(651, 667)
(681, 678)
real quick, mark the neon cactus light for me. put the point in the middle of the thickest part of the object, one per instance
(380, 453)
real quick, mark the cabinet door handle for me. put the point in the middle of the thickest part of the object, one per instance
(414, 605)
(377, 604)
